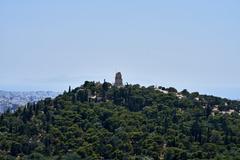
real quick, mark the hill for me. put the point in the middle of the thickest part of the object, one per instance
(101, 121)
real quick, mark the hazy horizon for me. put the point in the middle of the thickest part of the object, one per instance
(49, 45)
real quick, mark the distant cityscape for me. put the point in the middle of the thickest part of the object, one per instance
(12, 100)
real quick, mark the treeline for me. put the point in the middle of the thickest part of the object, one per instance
(101, 121)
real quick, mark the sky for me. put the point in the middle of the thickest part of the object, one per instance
(49, 45)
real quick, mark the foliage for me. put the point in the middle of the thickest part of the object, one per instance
(100, 121)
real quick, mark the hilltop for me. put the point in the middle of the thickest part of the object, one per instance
(103, 121)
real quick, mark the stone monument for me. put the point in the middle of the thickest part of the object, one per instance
(118, 80)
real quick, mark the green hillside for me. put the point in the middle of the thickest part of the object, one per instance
(101, 121)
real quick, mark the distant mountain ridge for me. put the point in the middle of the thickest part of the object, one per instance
(13, 99)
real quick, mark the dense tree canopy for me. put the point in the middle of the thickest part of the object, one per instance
(100, 121)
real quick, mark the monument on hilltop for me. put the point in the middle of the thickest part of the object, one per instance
(118, 80)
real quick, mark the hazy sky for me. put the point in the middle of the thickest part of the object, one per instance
(50, 44)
